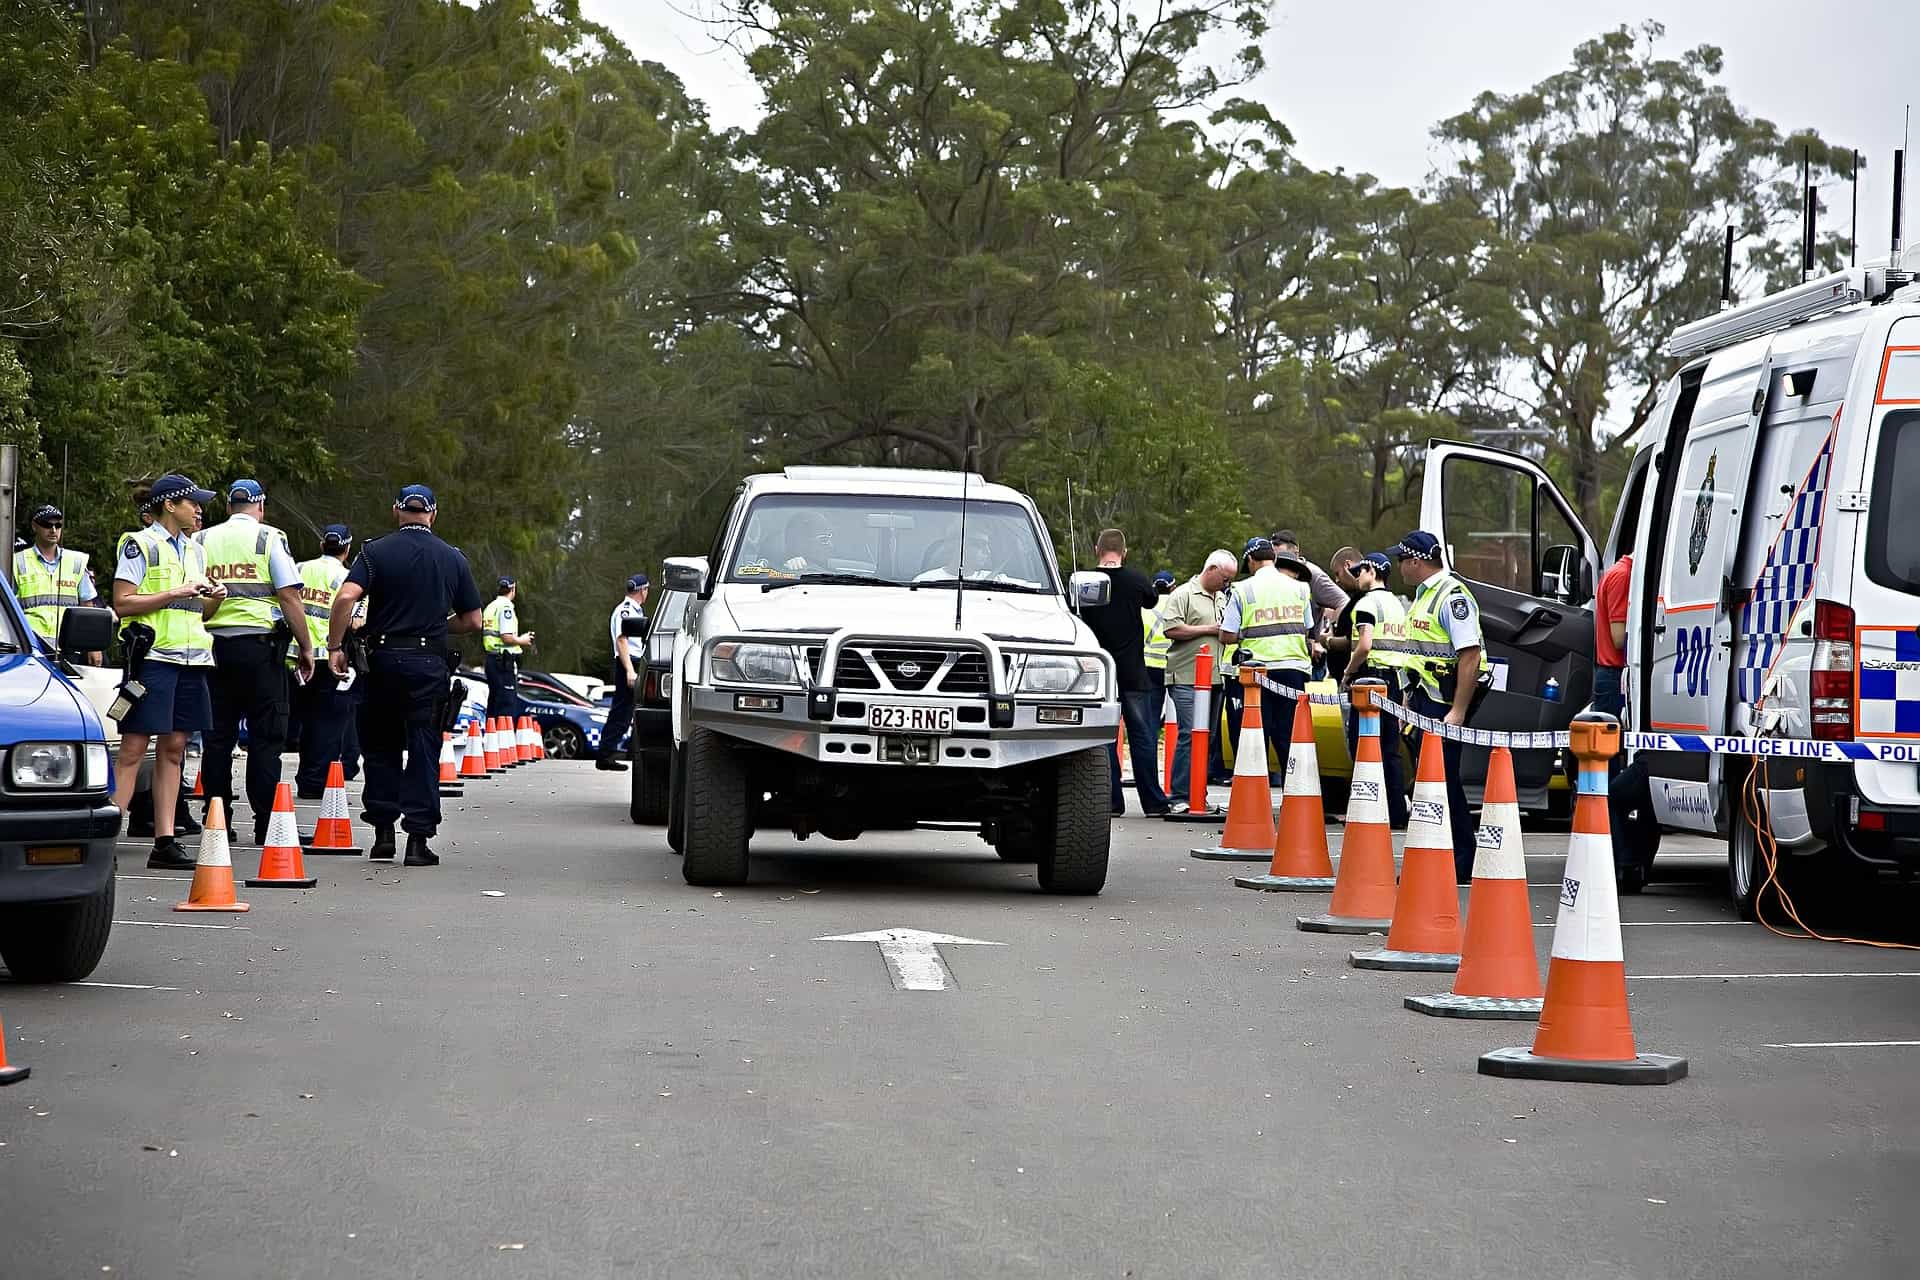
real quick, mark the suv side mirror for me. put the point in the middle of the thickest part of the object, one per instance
(684, 573)
(1090, 589)
(85, 630)
(1563, 575)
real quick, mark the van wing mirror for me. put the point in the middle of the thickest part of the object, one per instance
(634, 627)
(1564, 576)
(684, 573)
(85, 630)
(1091, 590)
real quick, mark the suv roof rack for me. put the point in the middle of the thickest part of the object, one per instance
(894, 473)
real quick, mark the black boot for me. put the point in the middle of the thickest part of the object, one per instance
(609, 764)
(382, 843)
(168, 855)
(418, 855)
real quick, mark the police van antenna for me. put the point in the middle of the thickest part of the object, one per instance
(1073, 545)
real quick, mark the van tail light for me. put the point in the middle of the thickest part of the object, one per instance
(650, 691)
(1832, 671)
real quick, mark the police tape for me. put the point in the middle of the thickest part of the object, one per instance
(1695, 743)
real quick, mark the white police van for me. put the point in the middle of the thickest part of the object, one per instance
(1773, 513)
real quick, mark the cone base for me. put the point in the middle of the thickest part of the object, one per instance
(1211, 815)
(451, 793)
(1220, 853)
(1404, 961)
(14, 1075)
(328, 850)
(201, 906)
(1448, 1005)
(307, 883)
(1340, 924)
(1519, 1063)
(1287, 884)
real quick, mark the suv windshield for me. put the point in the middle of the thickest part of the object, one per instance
(866, 538)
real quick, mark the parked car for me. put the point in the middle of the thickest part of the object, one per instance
(58, 821)
(569, 724)
(651, 742)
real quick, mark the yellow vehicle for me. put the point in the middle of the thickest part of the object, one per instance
(1336, 766)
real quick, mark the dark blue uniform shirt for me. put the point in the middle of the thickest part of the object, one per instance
(413, 580)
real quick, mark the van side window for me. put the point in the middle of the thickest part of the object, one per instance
(1893, 524)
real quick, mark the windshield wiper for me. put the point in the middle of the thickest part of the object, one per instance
(989, 584)
(829, 580)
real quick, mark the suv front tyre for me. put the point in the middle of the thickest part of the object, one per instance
(60, 943)
(1073, 858)
(719, 812)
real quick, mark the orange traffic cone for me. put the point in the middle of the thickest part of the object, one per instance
(212, 888)
(1499, 974)
(1585, 1031)
(333, 833)
(522, 741)
(1425, 934)
(281, 866)
(1197, 809)
(1363, 893)
(199, 786)
(473, 763)
(10, 1075)
(1300, 861)
(539, 739)
(1249, 831)
(490, 745)
(449, 771)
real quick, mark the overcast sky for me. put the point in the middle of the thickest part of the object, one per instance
(1360, 85)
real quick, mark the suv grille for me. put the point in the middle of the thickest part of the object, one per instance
(910, 670)
(881, 670)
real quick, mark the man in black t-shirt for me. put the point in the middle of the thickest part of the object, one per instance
(1116, 625)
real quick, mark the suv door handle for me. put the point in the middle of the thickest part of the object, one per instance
(1539, 617)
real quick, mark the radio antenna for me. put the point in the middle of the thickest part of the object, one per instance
(960, 559)
(1854, 233)
(1806, 229)
(1899, 180)
(1073, 545)
(1726, 272)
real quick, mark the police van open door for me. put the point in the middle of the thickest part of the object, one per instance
(1513, 538)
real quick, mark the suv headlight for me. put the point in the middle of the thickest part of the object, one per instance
(44, 766)
(1061, 674)
(741, 663)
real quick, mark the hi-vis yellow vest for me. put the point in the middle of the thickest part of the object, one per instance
(1158, 646)
(1431, 653)
(1390, 649)
(497, 619)
(320, 580)
(45, 590)
(1274, 615)
(180, 635)
(237, 556)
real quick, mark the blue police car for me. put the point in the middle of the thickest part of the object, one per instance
(58, 821)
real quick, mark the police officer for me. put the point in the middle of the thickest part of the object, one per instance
(1268, 619)
(324, 703)
(1379, 652)
(249, 628)
(420, 590)
(140, 807)
(500, 636)
(629, 659)
(1447, 673)
(50, 579)
(161, 581)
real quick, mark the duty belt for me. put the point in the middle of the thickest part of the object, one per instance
(403, 642)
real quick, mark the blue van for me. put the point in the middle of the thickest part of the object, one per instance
(58, 821)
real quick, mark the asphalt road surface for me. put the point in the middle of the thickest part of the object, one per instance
(601, 1071)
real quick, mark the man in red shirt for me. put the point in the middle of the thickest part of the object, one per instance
(1636, 833)
(1610, 636)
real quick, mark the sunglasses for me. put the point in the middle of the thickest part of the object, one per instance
(50, 524)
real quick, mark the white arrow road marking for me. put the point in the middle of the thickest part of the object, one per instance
(913, 955)
(1848, 1044)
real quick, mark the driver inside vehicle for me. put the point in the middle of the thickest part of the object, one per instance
(809, 543)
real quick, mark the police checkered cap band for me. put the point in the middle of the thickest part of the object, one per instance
(1418, 545)
(1256, 544)
(1377, 560)
(171, 487)
(45, 513)
(415, 497)
(336, 535)
(246, 491)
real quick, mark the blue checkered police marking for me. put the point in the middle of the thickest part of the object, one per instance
(1889, 683)
(1786, 580)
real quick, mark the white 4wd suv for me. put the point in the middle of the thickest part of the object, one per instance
(871, 649)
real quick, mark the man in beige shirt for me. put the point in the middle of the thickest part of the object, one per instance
(1191, 619)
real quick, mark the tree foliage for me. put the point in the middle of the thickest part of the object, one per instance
(347, 245)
